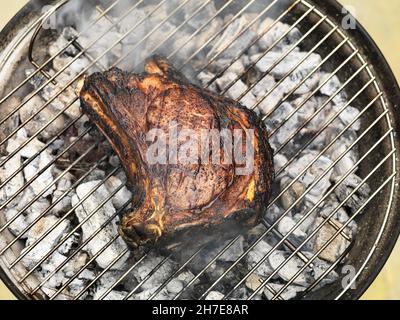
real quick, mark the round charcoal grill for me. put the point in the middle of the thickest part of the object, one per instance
(346, 53)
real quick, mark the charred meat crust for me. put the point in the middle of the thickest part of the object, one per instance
(173, 199)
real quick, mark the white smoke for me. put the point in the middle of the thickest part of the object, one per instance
(145, 27)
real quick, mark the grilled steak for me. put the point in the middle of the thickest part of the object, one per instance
(175, 198)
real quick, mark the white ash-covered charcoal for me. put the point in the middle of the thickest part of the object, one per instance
(246, 60)
(305, 107)
(274, 213)
(36, 80)
(65, 97)
(329, 87)
(253, 50)
(103, 40)
(82, 125)
(22, 219)
(114, 161)
(280, 161)
(234, 251)
(136, 30)
(253, 281)
(188, 45)
(336, 248)
(340, 214)
(63, 185)
(227, 65)
(159, 38)
(212, 250)
(69, 270)
(47, 243)
(105, 282)
(22, 198)
(37, 208)
(348, 115)
(319, 268)
(287, 224)
(289, 269)
(268, 94)
(95, 174)
(316, 142)
(94, 223)
(80, 282)
(286, 85)
(69, 244)
(312, 174)
(121, 175)
(62, 41)
(286, 120)
(345, 188)
(318, 170)
(264, 85)
(294, 192)
(340, 100)
(282, 64)
(256, 254)
(74, 111)
(113, 295)
(330, 133)
(57, 145)
(307, 86)
(346, 138)
(14, 142)
(47, 267)
(241, 293)
(146, 294)
(45, 180)
(16, 183)
(69, 68)
(158, 277)
(214, 295)
(32, 148)
(205, 77)
(122, 196)
(306, 225)
(186, 276)
(271, 34)
(230, 38)
(11, 123)
(230, 255)
(218, 268)
(269, 103)
(175, 286)
(201, 17)
(254, 233)
(19, 223)
(289, 293)
(227, 80)
(279, 116)
(346, 163)
(236, 88)
(268, 97)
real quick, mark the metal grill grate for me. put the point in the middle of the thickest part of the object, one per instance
(322, 35)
